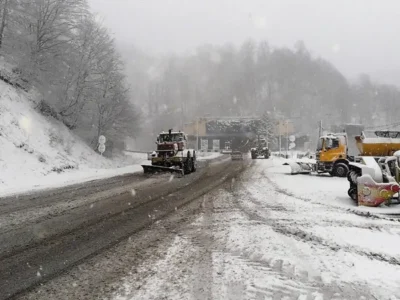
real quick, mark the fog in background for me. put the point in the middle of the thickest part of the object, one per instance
(357, 36)
(305, 61)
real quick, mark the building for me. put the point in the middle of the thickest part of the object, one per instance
(212, 134)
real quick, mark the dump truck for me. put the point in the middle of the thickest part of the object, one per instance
(172, 154)
(260, 149)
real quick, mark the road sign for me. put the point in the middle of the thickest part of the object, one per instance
(102, 148)
(292, 145)
(102, 139)
(292, 138)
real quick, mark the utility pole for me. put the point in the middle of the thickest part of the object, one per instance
(280, 138)
(287, 138)
(320, 129)
(197, 134)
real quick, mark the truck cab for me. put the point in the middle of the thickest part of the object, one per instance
(331, 154)
(171, 138)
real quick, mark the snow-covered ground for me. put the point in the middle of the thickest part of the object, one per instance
(322, 189)
(208, 155)
(38, 152)
(271, 235)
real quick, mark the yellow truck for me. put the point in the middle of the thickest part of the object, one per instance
(373, 174)
(333, 153)
(336, 150)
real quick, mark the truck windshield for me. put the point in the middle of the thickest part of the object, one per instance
(170, 138)
(331, 143)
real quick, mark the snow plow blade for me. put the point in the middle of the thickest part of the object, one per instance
(148, 169)
(299, 167)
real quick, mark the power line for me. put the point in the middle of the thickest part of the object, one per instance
(383, 126)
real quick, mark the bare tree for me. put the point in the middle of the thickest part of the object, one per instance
(4, 7)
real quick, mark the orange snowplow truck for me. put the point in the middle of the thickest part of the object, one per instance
(333, 151)
(331, 155)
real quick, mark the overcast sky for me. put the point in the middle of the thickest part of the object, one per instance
(355, 35)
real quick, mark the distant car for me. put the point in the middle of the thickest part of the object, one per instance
(236, 155)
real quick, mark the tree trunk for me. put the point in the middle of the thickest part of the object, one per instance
(3, 21)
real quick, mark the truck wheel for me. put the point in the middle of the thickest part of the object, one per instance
(194, 163)
(350, 174)
(352, 192)
(340, 170)
(187, 169)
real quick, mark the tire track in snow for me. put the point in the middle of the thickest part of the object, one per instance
(288, 281)
(307, 236)
(343, 223)
(366, 214)
(241, 195)
(289, 230)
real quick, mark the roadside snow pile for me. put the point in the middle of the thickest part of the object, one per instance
(207, 155)
(35, 149)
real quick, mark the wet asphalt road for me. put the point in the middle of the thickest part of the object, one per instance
(44, 234)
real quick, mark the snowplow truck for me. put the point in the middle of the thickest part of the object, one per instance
(260, 149)
(330, 157)
(333, 154)
(172, 155)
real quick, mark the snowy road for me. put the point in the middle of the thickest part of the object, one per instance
(261, 234)
(46, 233)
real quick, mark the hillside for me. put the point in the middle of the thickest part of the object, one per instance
(38, 151)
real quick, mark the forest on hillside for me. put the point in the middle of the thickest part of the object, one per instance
(59, 48)
(252, 79)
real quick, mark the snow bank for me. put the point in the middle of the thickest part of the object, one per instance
(207, 155)
(39, 152)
